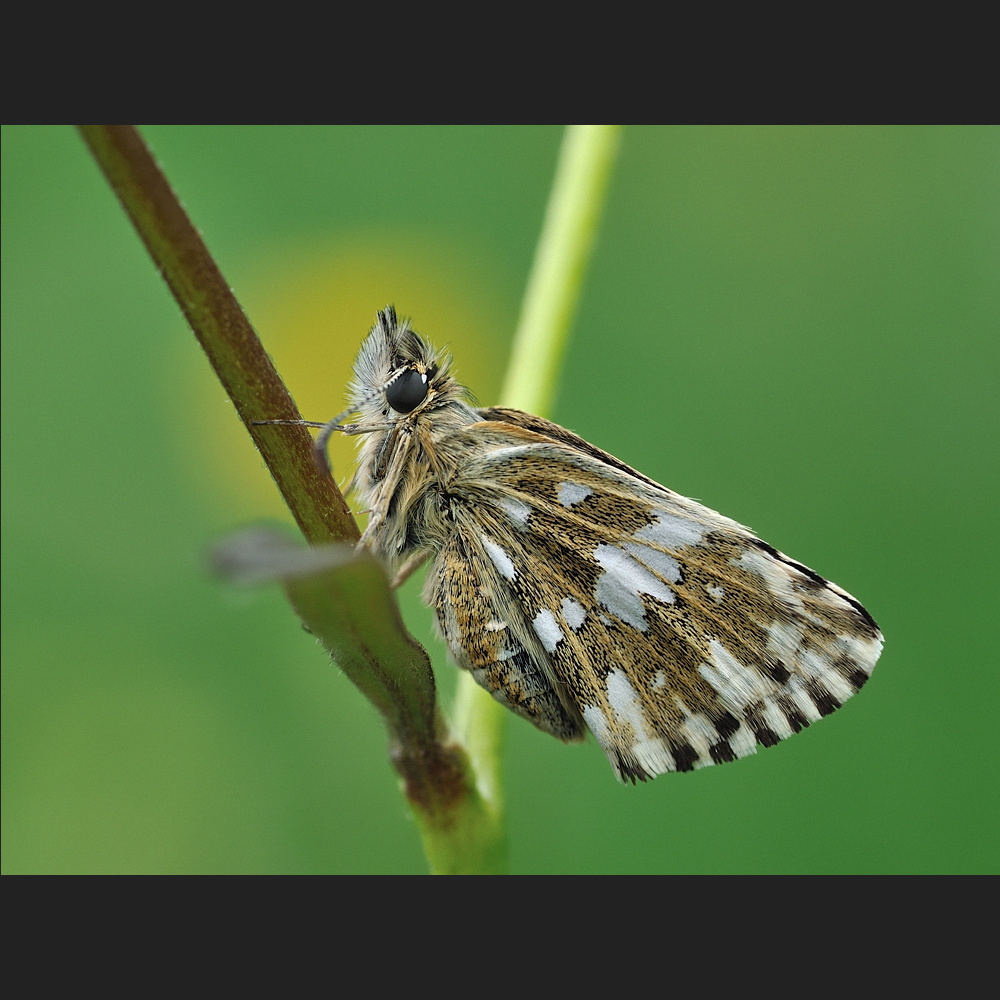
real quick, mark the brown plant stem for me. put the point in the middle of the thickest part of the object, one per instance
(460, 832)
(223, 330)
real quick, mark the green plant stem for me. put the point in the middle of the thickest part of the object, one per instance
(550, 300)
(553, 291)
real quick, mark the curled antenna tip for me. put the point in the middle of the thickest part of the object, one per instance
(319, 445)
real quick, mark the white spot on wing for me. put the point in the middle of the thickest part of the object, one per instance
(621, 583)
(659, 562)
(802, 698)
(701, 734)
(777, 720)
(743, 741)
(864, 652)
(787, 643)
(784, 639)
(649, 751)
(836, 685)
(737, 685)
(716, 592)
(573, 613)
(571, 493)
(517, 510)
(625, 703)
(499, 558)
(813, 664)
(654, 756)
(778, 577)
(597, 723)
(547, 629)
(671, 532)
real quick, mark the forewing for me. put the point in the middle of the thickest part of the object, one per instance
(680, 638)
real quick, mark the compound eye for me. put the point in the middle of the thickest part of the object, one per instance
(405, 393)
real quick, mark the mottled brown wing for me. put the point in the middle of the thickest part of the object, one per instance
(575, 588)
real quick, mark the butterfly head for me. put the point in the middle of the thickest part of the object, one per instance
(398, 374)
(398, 378)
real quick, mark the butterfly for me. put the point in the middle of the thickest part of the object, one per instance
(580, 593)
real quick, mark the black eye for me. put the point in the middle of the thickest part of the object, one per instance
(406, 393)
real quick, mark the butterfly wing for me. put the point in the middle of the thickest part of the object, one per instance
(580, 592)
(482, 618)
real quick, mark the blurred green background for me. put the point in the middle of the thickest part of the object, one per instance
(797, 326)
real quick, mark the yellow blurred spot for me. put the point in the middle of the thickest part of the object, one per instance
(312, 306)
